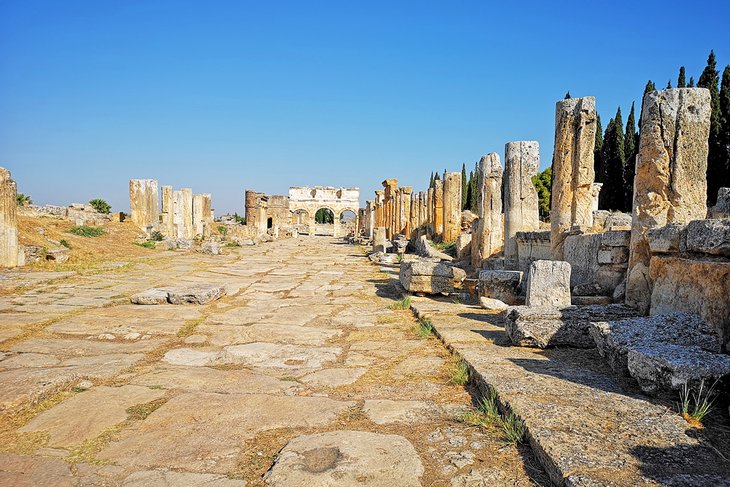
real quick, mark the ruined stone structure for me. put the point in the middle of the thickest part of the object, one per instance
(9, 249)
(670, 184)
(144, 200)
(203, 217)
(438, 205)
(488, 239)
(452, 206)
(573, 173)
(168, 212)
(307, 200)
(521, 212)
(264, 212)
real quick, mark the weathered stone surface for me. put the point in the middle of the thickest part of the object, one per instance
(463, 246)
(333, 377)
(489, 235)
(9, 249)
(379, 240)
(151, 296)
(347, 459)
(34, 471)
(386, 411)
(722, 206)
(144, 203)
(521, 213)
(699, 287)
(211, 248)
(438, 207)
(425, 249)
(452, 206)
(193, 431)
(196, 294)
(708, 237)
(573, 173)
(430, 277)
(548, 284)
(670, 185)
(87, 414)
(614, 339)
(505, 286)
(492, 304)
(170, 478)
(206, 379)
(666, 239)
(544, 327)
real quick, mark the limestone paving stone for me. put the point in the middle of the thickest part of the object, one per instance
(206, 379)
(386, 411)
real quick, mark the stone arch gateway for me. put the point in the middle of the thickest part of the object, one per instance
(309, 199)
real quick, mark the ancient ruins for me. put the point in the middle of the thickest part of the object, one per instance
(412, 343)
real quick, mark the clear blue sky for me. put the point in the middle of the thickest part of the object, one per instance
(222, 96)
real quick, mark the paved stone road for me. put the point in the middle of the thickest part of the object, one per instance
(302, 375)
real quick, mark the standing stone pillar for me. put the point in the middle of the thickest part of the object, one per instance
(406, 210)
(488, 240)
(438, 208)
(414, 214)
(336, 224)
(178, 214)
(521, 210)
(144, 203)
(430, 205)
(452, 206)
(396, 218)
(670, 184)
(198, 214)
(573, 174)
(9, 248)
(379, 197)
(379, 239)
(168, 225)
(390, 186)
(422, 213)
(207, 216)
(187, 211)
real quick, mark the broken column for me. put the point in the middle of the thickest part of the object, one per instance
(521, 211)
(406, 210)
(670, 185)
(9, 249)
(438, 207)
(488, 239)
(414, 221)
(182, 204)
(573, 173)
(430, 211)
(379, 196)
(390, 186)
(202, 216)
(452, 206)
(168, 225)
(144, 203)
(379, 239)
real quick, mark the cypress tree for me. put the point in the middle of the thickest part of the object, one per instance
(709, 79)
(631, 149)
(691, 82)
(649, 87)
(612, 163)
(597, 150)
(464, 186)
(725, 124)
(437, 177)
(669, 84)
(469, 192)
(567, 95)
(474, 188)
(430, 181)
(681, 81)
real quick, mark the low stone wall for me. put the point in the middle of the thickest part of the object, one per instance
(690, 272)
(78, 213)
(598, 261)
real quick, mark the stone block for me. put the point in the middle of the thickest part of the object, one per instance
(196, 294)
(463, 246)
(422, 276)
(616, 255)
(505, 286)
(666, 239)
(151, 296)
(546, 326)
(708, 237)
(492, 304)
(548, 284)
(211, 248)
(616, 238)
(58, 254)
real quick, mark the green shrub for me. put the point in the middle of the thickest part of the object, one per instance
(404, 303)
(233, 244)
(147, 245)
(157, 236)
(65, 243)
(223, 230)
(84, 231)
(100, 205)
(23, 199)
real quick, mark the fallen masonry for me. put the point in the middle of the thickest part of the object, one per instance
(196, 294)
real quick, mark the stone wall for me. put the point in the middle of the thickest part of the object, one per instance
(598, 261)
(532, 246)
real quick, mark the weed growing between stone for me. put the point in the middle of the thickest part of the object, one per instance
(424, 328)
(459, 371)
(694, 409)
(404, 303)
(85, 231)
(511, 427)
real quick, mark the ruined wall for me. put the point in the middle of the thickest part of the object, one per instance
(144, 201)
(532, 246)
(309, 199)
(598, 261)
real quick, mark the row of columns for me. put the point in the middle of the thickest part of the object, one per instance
(182, 214)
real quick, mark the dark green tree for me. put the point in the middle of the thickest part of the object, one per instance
(597, 149)
(691, 83)
(631, 150)
(567, 95)
(543, 184)
(612, 165)
(725, 124)
(669, 84)
(430, 180)
(474, 188)
(437, 177)
(464, 186)
(681, 80)
(100, 205)
(710, 79)
(649, 87)
(324, 215)
(469, 191)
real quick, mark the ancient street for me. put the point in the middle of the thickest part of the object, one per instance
(303, 374)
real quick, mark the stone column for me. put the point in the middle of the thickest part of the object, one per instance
(422, 213)
(198, 214)
(488, 240)
(430, 210)
(379, 197)
(670, 185)
(168, 226)
(397, 228)
(251, 203)
(9, 248)
(414, 214)
(178, 214)
(452, 206)
(187, 202)
(144, 203)
(379, 239)
(573, 174)
(521, 210)
(390, 186)
(438, 208)
(406, 210)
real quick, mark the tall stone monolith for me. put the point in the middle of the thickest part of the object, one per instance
(202, 218)
(405, 210)
(414, 220)
(379, 239)
(452, 206)
(144, 203)
(573, 173)
(488, 240)
(379, 197)
(430, 211)
(438, 208)
(167, 212)
(521, 210)
(9, 248)
(670, 184)
(390, 186)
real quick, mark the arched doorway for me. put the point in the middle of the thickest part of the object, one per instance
(324, 222)
(348, 222)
